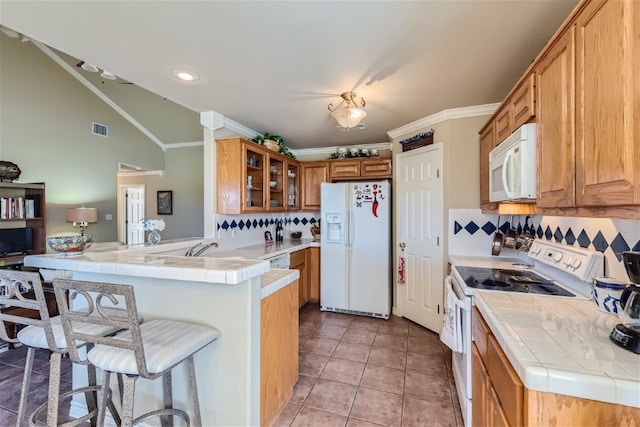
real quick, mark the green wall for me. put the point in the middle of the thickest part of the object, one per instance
(45, 128)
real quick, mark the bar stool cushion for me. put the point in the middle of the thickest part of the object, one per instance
(34, 336)
(185, 339)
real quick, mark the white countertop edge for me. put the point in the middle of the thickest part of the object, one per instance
(564, 381)
(276, 279)
(209, 273)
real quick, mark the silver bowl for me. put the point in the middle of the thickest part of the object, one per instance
(70, 244)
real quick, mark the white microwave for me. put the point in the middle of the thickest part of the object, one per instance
(512, 166)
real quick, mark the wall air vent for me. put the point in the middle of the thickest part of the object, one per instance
(360, 126)
(99, 129)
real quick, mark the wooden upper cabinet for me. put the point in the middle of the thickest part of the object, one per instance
(341, 169)
(608, 93)
(502, 125)
(487, 143)
(522, 103)
(360, 168)
(377, 167)
(555, 118)
(252, 178)
(313, 174)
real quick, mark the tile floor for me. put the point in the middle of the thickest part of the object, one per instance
(354, 371)
(358, 371)
(11, 370)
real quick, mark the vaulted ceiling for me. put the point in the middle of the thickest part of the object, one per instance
(274, 66)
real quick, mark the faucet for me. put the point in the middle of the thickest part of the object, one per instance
(191, 249)
(205, 247)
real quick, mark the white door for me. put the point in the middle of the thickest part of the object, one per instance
(420, 228)
(135, 213)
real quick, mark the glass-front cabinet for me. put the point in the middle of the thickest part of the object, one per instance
(254, 195)
(252, 178)
(293, 186)
(277, 184)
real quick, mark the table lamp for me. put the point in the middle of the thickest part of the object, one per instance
(81, 217)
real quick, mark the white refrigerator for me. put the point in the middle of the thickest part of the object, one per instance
(355, 274)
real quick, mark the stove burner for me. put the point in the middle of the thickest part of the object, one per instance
(509, 280)
(490, 283)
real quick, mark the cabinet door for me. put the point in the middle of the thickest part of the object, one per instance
(555, 130)
(299, 262)
(293, 186)
(344, 169)
(523, 102)
(608, 91)
(277, 173)
(503, 126)
(487, 143)
(255, 183)
(481, 411)
(314, 274)
(376, 167)
(506, 382)
(313, 173)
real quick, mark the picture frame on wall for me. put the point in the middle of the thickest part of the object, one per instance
(165, 202)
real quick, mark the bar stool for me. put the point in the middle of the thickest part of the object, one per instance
(149, 350)
(41, 332)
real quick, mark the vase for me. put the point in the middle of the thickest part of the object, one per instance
(154, 237)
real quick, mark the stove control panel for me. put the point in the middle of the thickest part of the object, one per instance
(582, 263)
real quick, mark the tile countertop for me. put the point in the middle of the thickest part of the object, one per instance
(167, 261)
(561, 345)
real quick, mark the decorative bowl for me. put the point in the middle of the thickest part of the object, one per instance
(70, 244)
(296, 234)
(273, 184)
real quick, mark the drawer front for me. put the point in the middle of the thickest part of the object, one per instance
(376, 168)
(506, 383)
(480, 332)
(297, 258)
(345, 169)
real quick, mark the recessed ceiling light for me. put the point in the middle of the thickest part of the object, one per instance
(186, 75)
(89, 67)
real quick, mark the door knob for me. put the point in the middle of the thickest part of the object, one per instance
(402, 245)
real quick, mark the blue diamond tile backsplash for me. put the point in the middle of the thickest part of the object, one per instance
(234, 231)
(471, 233)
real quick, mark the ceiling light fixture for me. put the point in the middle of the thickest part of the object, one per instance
(107, 75)
(186, 75)
(89, 67)
(347, 112)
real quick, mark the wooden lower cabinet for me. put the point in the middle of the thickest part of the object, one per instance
(500, 399)
(278, 351)
(314, 274)
(299, 262)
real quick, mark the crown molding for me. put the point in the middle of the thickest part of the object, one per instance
(216, 121)
(451, 114)
(326, 152)
(185, 144)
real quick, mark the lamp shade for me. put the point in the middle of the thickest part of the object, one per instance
(87, 215)
(349, 116)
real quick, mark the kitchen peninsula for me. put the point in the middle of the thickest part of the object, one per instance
(223, 292)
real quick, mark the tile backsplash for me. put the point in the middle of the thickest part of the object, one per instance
(233, 231)
(471, 233)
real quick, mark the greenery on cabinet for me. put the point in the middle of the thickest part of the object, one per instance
(282, 149)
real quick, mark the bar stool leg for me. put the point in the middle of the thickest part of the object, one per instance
(167, 390)
(197, 418)
(26, 383)
(55, 361)
(127, 400)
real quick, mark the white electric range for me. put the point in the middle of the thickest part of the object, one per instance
(550, 268)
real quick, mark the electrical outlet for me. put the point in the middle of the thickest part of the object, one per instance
(108, 217)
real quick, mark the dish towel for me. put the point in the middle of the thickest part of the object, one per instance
(451, 334)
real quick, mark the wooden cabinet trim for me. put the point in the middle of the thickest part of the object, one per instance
(506, 382)
(279, 351)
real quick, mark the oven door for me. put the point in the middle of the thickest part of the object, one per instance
(461, 361)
